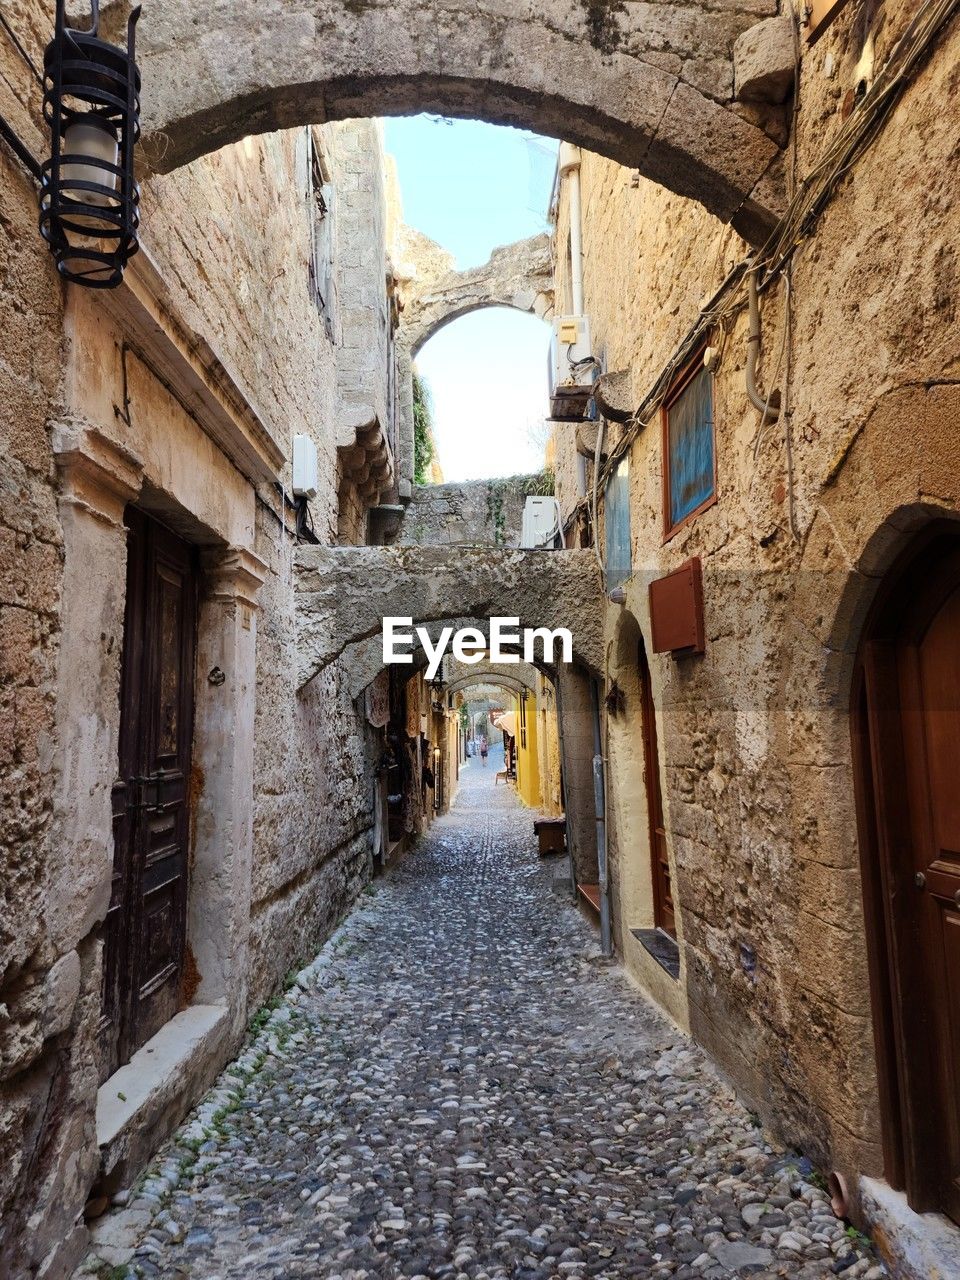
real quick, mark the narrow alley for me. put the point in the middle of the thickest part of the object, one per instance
(459, 1086)
(479, 639)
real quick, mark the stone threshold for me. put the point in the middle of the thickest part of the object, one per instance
(142, 1103)
(915, 1246)
(662, 947)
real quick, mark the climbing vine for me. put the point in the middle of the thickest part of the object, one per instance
(503, 490)
(422, 430)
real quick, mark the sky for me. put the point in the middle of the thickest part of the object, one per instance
(471, 187)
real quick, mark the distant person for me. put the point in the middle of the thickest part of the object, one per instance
(483, 752)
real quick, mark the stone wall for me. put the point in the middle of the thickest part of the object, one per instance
(181, 392)
(47, 991)
(754, 736)
(472, 513)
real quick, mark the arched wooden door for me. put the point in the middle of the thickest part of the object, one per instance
(907, 743)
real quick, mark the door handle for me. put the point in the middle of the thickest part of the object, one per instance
(956, 898)
(920, 880)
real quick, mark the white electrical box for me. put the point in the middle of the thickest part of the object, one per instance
(573, 369)
(306, 476)
(541, 525)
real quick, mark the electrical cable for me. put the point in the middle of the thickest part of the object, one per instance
(21, 49)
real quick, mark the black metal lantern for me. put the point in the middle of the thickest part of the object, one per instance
(89, 201)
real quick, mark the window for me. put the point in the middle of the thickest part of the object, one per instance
(320, 213)
(616, 518)
(689, 457)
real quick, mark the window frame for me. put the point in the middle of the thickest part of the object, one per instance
(691, 369)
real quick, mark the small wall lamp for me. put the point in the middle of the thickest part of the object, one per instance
(89, 201)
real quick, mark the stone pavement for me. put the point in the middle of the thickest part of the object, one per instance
(459, 1087)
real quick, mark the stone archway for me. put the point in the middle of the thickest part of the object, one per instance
(650, 86)
(516, 677)
(344, 593)
(518, 276)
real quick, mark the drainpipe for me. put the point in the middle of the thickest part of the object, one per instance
(568, 825)
(570, 169)
(600, 812)
(600, 804)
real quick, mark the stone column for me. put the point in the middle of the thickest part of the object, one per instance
(218, 923)
(97, 479)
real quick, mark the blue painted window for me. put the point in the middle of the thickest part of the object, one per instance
(616, 517)
(689, 446)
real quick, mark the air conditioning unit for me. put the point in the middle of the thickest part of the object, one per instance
(306, 475)
(573, 369)
(542, 529)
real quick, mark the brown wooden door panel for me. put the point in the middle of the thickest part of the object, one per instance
(930, 664)
(145, 939)
(950, 935)
(911, 681)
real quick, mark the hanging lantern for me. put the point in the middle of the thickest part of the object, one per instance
(89, 201)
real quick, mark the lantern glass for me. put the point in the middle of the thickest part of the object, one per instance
(90, 155)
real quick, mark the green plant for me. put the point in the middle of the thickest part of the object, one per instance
(262, 1016)
(423, 445)
(506, 488)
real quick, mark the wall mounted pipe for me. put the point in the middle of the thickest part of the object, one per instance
(600, 812)
(570, 169)
(769, 407)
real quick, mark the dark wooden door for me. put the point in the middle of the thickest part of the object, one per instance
(911, 701)
(145, 930)
(663, 912)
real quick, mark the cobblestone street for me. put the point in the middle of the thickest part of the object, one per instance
(459, 1087)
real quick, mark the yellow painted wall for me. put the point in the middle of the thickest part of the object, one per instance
(528, 757)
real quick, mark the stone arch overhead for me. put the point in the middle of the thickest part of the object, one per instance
(516, 676)
(650, 86)
(343, 594)
(504, 683)
(519, 276)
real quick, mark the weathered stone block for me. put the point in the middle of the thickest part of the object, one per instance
(764, 61)
(61, 991)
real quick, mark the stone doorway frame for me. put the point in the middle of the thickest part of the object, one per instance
(141, 1103)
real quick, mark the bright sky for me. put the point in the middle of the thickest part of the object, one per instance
(471, 187)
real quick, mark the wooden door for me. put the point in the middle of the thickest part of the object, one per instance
(910, 824)
(144, 937)
(663, 912)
